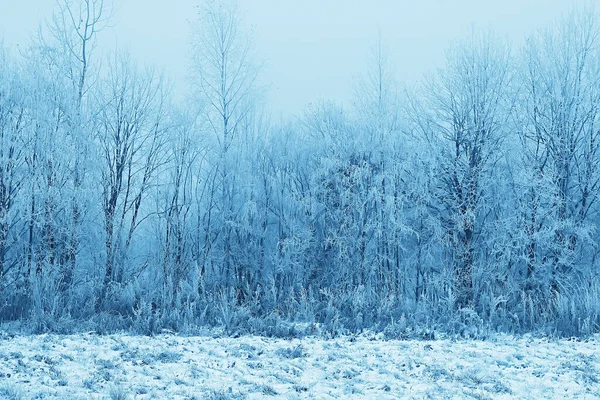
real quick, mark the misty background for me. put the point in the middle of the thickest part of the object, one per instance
(311, 49)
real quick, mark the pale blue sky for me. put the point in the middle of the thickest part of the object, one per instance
(312, 48)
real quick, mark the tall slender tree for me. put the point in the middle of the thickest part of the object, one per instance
(226, 81)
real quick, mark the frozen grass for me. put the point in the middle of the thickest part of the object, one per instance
(168, 366)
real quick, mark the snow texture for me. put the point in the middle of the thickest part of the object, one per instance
(168, 366)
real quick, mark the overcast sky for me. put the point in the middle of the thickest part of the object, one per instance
(313, 49)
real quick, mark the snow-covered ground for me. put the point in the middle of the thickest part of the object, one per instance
(175, 367)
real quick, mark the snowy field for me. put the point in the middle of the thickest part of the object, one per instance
(173, 367)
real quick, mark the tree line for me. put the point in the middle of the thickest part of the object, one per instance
(467, 202)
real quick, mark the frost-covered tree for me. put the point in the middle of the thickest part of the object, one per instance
(463, 119)
(14, 146)
(176, 204)
(131, 126)
(61, 67)
(377, 107)
(225, 82)
(560, 148)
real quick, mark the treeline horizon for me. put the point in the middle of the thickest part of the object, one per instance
(467, 204)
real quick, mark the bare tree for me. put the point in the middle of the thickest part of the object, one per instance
(224, 65)
(376, 95)
(226, 82)
(72, 39)
(180, 237)
(131, 136)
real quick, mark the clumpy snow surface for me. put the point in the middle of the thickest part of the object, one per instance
(167, 366)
